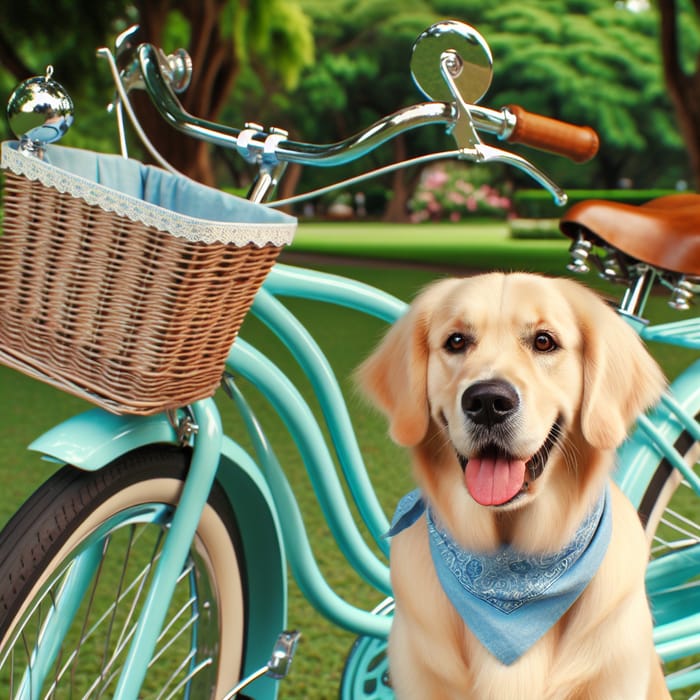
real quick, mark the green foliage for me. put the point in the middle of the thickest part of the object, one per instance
(176, 32)
(595, 64)
(584, 61)
(66, 38)
(324, 69)
(276, 34)
(272, 35)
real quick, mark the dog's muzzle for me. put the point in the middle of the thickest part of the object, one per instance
(494, 476)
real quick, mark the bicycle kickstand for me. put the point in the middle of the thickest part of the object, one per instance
(277, 667)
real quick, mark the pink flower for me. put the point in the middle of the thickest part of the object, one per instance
(464, 186)
(434, 206)
(435, 179)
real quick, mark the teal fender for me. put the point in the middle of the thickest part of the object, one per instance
(93, 439)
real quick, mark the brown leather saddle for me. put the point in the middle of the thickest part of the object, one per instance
(664, 232)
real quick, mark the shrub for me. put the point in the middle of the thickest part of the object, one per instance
(538, 204)
(455, 191)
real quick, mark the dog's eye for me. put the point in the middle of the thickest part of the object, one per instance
(457, 342)
(544, 342)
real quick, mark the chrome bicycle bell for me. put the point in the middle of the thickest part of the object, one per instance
(40, 111)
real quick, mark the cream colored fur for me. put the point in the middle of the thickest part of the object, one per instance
(598, 379)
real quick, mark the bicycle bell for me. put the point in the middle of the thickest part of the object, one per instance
(40, 111)
(469, 60)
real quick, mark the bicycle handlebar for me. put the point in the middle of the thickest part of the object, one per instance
(162, 76)
(253, 141)
(509, 124)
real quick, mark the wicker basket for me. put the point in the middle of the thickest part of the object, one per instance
(122, 283)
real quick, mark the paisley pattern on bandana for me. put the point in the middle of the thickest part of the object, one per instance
(510, 599)
(509, 579)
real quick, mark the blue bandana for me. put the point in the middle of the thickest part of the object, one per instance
(510, 599)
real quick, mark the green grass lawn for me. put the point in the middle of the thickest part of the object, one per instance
(31, 408)
(480, 246)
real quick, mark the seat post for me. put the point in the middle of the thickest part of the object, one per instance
(637, 292)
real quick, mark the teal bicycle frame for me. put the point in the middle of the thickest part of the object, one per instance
(263, 498)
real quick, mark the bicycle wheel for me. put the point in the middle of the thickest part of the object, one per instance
(669, 511)
(122, 513)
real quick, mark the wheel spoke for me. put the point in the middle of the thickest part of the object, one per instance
(90, 603)
(197, 669)
(127, 627)
(115, 607)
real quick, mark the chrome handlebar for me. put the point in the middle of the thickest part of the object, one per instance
(254, 143)
(161, 76)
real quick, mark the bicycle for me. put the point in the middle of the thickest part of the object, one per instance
(197, 529)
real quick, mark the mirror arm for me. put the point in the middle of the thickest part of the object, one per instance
(501, 123)
(464, 131)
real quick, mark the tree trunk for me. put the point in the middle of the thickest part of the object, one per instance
(12, 61)
(684, 89)
(214, 71)
(402, 185)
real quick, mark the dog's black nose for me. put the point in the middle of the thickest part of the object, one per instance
(490, 402)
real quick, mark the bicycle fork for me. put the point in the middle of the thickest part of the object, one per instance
(205, 432)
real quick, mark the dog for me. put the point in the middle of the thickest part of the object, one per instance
(513, 392)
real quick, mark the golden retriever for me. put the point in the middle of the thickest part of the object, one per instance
(513, 392)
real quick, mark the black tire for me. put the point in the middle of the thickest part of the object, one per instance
(125, 509)
(664, 488)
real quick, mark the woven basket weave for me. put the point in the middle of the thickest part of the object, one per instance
(113, 309)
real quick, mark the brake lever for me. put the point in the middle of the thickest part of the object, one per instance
(470, 145)
(490, 154)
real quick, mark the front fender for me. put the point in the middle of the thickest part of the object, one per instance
(93, 439)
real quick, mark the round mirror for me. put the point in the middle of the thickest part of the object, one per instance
(470, 65)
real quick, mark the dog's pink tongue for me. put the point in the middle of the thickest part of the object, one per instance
(492, 482)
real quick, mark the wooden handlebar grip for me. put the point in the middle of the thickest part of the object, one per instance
(579, 143)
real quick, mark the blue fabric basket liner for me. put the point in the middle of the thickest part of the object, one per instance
(153, 196)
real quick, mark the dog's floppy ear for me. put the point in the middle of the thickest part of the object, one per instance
(620, 379)
(394, 376)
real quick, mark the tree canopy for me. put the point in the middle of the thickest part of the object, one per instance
(325, 69)
(586, 61)
(222, 37)
(597, 64)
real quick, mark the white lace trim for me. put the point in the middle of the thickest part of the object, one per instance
(181, 225)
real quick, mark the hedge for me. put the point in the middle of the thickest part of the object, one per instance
(538, 204)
